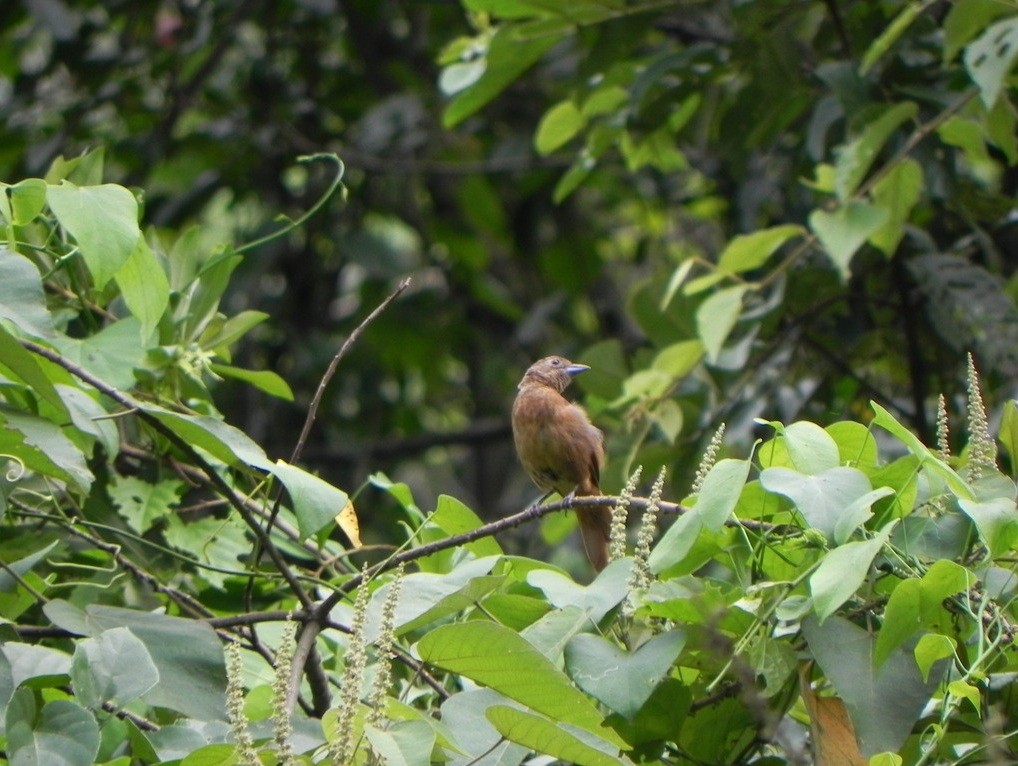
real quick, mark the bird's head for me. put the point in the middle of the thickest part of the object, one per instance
(554, 371)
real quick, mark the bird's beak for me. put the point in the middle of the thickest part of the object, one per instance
(576, 369)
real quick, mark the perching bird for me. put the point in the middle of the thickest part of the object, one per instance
(560, 448)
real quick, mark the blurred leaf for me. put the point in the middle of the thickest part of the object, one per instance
(716, 317)
(751, 251)
(891, 34)
(965, 20)
(103, 221)
(43, 447)
(20, 364)
(996, 520)
(991, 56)
(346, 520)
(558, 126)
(846, 229)
(931, 648)
(143, 504)
(897, 193)
(856, 158)
(111, 355)
(509, 55)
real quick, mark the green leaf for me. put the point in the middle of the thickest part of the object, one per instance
(842, 571)
(143, 504)
(22, 300)
(834, 502)
(454, 518)
(103, 221)
(43, 447)
(884, 703)
(621, 680)
(678, 359)
(205, 292)
(1008, 435)
(856, 445)
(112, 667)
(22, 567)
(20, 364)
(224, 442)
(676, 543)
(497, 657)
(722, 487)
(991, 56)
(212, 755)
(751, 251)
(61, 734)
(426, 597)
(403, 743)
(558, 126)
(846, 229)
(186, 653)
(996, 520)
(927, 459)
(811, 449)
(931, 648)
(510, 53)
(856, 158)
(716, 317)
(550, 634)
(966, 19)
(232, 329)
(465, 714)
(144, 287)
(26, 200)
(965, 690)
(111, 355)
(90, 418)
(316, 503)
(597, 599)
(918, 604)
(263, 380)
(897, 193)
(892, 32)
(547, 737)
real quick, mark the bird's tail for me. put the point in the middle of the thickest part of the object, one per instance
(595, 530)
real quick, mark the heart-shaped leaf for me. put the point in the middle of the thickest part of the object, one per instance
(843, 231)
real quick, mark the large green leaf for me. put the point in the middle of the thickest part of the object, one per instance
(111, 355)
(186, 653)
(622, 680)
(61, 734)
(454, 517)
(144, 287)
(221, 440)
(103, 221)
(548, 737)
(497, 657)
(20, 203)
(141, 503)
(43, 447)
(22, 300)
(112, 667)
(597, 599)
(21, 365)
(835, 501)
(883, 703)
(842, 572)
(464, 713)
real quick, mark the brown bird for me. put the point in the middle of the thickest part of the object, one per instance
(560, 448)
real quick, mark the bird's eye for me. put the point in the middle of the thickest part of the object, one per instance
(555, 362)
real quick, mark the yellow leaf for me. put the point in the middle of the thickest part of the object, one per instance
(347, 520)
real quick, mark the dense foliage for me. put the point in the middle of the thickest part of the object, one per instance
(795, 219)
